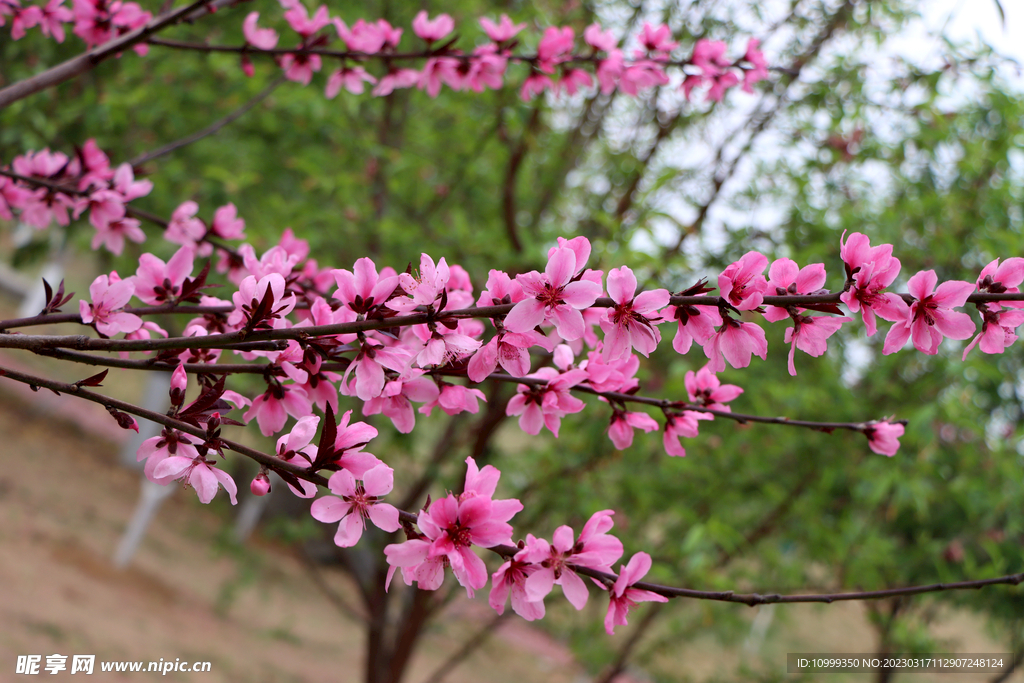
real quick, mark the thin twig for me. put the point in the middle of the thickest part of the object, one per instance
(87, 60)
(212, 128)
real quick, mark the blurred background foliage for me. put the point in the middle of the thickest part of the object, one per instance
(845, 136)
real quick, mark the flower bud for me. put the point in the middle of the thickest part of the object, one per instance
(260, 485)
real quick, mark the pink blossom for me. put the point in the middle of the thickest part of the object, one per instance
(759, 72)
(113, 234)
(487, 69)
(721, 83)
(349, 444)
(556, 296)
(704, 388)
(709, 57)
(226, 223)
(109, 295)
(396, 397)
(438, 71)
(883, 437)
(158, 448)
(298, 18)
(124, 183)
(555, 47)
(424, 289)
(25, 19)
(657, 39)
(641, 75)
(630, 322)
(296, 448)
(615, 375)
(355, 503)
(105, 206)
(364, 36)
(502, 31)
(368, 367)
(620, 431)
(351, 79)
(623, 597)
(680, 425)
(454, 399)
(609, 71)
(199, 473)
(594, 548)
(143, 332)
(272, 407)
(695, 322)
(510, 350)
(997, 330)
(500, 289)
(742, 282)
(999, 278)
(786, 278)
(185, 228)
(545, 406)
(96, 167)
(573, 80)
(262, 38)
(735, 342)
(600, 40)
(511, 579)
(434, 29)
(276, 260)
(870, 270)
(362, 288)
(534, 85)
(52, 18)
(809, 334)
(300, 67)
(931, 316)
(453, 526)
(252, 293)
(414, 559)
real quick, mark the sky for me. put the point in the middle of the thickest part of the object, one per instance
(966, 19)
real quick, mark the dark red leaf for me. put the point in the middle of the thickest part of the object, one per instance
(94, 381)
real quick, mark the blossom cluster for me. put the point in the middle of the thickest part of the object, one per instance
(95, 21)
(71, 186)
(556, 65)
(554, 311)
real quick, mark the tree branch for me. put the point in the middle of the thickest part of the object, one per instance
(87, 60)
(212, 128)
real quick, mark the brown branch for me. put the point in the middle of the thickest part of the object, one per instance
(468, 648)
(87, 60)
(762, 118)
(82, 342)
(624, 653)
(270, 461)
(212, 128)
(53, 318)
(515, 160)
(332, 595)
(489, 422)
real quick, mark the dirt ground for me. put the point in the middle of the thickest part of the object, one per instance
(253, 612)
